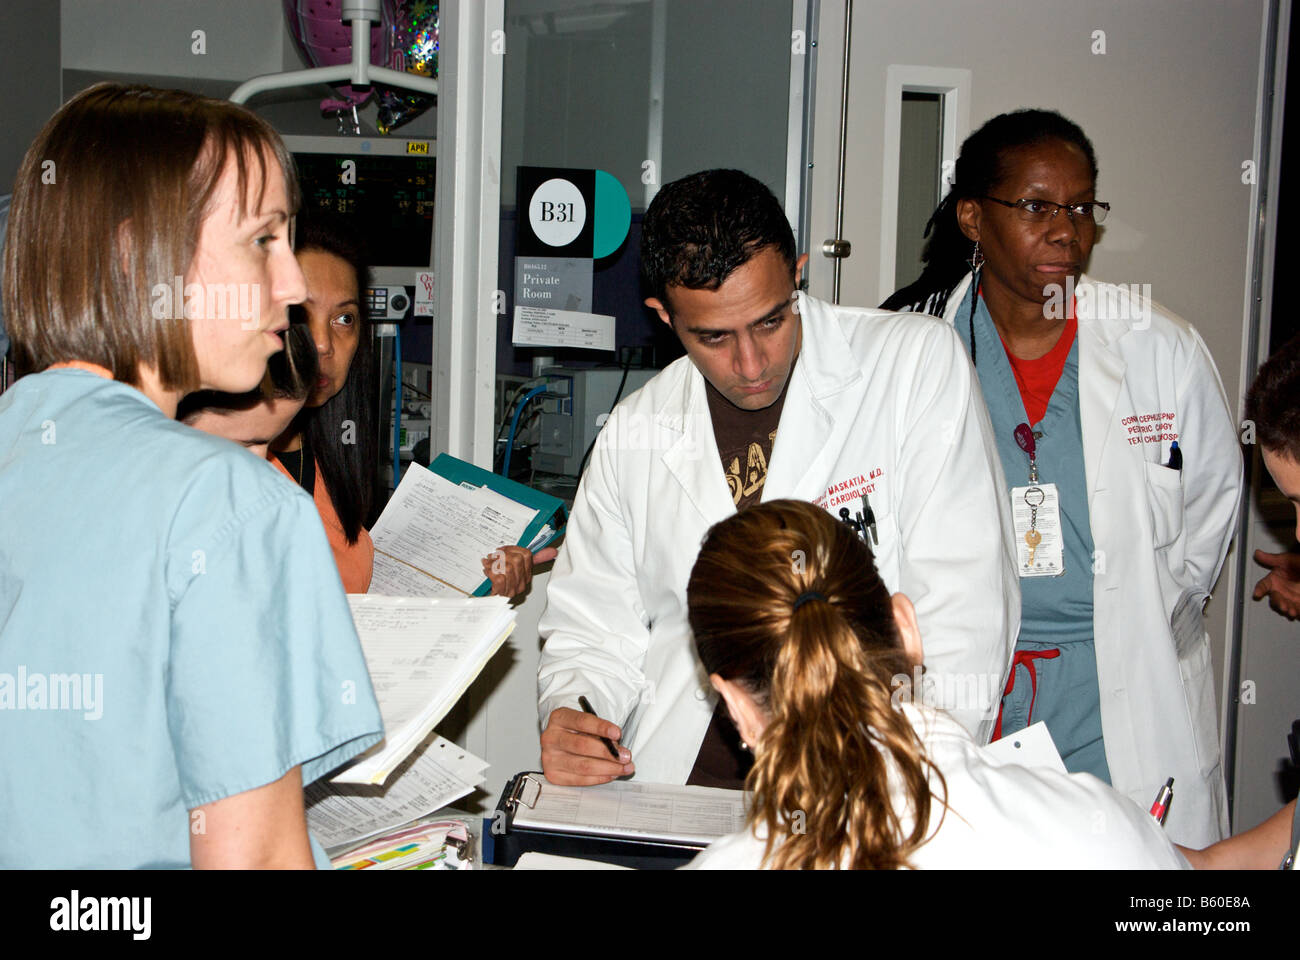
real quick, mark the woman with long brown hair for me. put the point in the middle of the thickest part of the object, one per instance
(814, 659)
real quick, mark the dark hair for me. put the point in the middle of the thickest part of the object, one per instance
(981, 165)
(1273, 402)
(701, 228)
(107, 206)
(348, 469)
(290, 375)
(787, 602)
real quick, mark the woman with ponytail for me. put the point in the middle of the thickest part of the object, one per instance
(813, 658)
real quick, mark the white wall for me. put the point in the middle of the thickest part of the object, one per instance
(242, 37)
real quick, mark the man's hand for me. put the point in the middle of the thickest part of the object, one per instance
(572, 754)
(511, 569)
(1282, 585)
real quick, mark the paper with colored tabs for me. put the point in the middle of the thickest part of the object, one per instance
(438, 773)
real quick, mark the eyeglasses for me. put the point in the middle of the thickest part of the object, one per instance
(1041, 211)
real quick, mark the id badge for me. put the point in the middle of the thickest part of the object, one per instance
(1036, 513)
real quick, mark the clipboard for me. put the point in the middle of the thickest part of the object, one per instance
(550, 510)
(504, 840)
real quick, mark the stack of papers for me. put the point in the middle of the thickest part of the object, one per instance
(422, 655)
(435, 775)
(686, 815)
(425, 846)
(431, 539)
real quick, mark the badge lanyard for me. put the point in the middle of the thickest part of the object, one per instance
(1036, 513)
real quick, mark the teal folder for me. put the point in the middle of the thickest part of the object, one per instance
(550, 510)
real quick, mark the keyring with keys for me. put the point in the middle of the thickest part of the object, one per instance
(1034, 498)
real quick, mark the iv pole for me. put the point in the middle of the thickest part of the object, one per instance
(359, 73)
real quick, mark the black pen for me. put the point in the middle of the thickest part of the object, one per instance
(609, 744)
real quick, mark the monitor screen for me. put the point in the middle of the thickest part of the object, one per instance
(386, 185)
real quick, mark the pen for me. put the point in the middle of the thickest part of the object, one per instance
(1175, 457)
(869, 521)
(609, 744)
(1161, 806)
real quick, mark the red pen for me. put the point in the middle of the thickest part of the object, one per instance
(1161, 806)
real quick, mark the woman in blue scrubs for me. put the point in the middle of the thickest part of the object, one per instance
(177, 657)
(1121, 464)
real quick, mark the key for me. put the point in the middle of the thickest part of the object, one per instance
(1033, 538)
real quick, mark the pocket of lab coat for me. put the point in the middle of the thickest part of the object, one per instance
(1165, 497)
(1198, 692)
(886, 534)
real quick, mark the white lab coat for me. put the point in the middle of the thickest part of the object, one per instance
(877, 401)
(1160, 536)
(1001, 816)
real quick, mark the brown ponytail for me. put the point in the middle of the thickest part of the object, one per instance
(787, 602)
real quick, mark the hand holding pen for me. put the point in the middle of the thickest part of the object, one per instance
(581, 749)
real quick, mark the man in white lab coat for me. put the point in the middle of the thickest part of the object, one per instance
(873, 415)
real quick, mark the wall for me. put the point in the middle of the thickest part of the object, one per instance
(29, 73)
(150, 41)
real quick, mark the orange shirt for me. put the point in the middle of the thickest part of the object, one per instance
(1038, 378)
(356, 561)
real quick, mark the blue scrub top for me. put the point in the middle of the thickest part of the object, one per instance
(172, 629)
(1056, 612)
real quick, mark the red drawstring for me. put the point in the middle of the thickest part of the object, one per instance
(1024, 658)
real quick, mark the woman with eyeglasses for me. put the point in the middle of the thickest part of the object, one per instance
(1120, 460)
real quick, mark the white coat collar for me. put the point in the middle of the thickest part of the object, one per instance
(826, 366)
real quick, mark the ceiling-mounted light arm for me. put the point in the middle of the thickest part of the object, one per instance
(358, 73)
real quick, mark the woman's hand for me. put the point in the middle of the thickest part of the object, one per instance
(261, 828)
(511, 569)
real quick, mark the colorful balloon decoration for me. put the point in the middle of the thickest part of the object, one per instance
(405, 40)
(414, 45)
(324, 40)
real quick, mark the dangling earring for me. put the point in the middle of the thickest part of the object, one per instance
(976, 258)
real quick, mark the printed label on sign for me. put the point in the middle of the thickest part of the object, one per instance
(1046, 557)
(539, 327)
(557, 212)
(424, 291)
